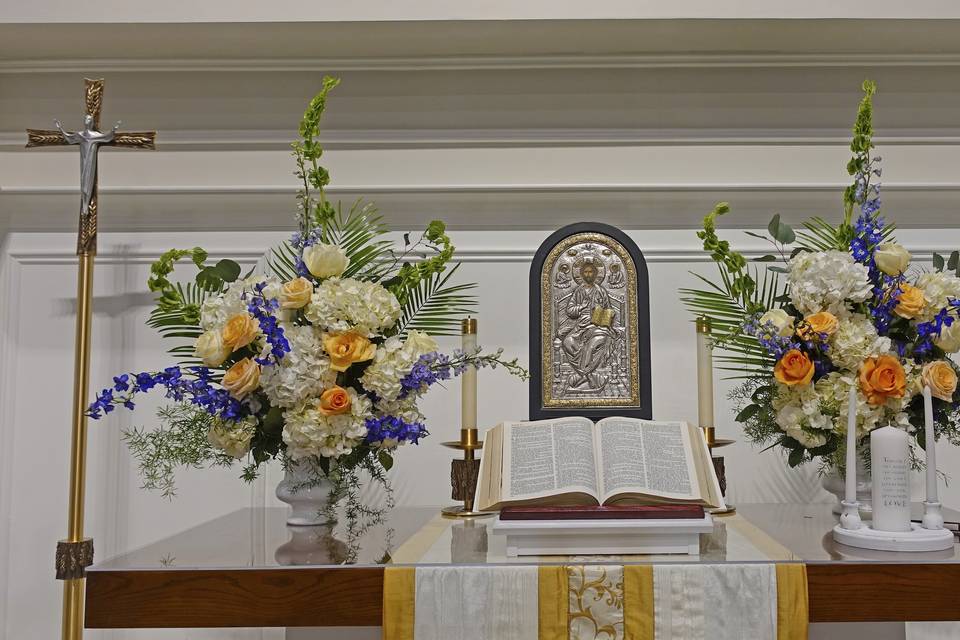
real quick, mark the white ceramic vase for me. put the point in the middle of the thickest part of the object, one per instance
(835, 484)
(308, 498)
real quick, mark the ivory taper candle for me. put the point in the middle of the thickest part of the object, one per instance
(930, 444)
(468, 379)
(890, 466)
(704, 373)
(851, 471)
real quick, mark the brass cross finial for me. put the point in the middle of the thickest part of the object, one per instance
(90, 140)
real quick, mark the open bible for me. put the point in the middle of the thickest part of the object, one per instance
(572, 461)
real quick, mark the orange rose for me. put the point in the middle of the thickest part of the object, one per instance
(881, 378)
(941, 378)
(334, 401)
(239, 331)
(816, 324)
(794, 368)
(911, 301)
(242, 378)
(347, 348)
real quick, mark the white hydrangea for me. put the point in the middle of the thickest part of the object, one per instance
(856, 340)
(799, 414)
(826, 281)
(215, 311)
(308, 433)
(233, 438)
(353, 305)
(301, 374)
(938, 288)
(393, 362)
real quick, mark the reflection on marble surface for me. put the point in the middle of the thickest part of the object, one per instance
(260, 538)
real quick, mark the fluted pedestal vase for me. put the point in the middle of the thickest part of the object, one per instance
(307, 491)
(834, 482)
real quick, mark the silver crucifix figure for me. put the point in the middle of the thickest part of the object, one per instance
(89, 140)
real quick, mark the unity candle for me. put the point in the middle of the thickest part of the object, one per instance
(704, 373)
(468, 379)
(890, 465)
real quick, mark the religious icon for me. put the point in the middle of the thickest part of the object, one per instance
(589, 325)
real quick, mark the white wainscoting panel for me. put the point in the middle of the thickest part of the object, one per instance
(37, 284)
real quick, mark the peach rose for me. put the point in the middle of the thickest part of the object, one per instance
(239, 331)
(794, 368)
(911, 301)
(295, 294)
(347, 348)
(881, 378)
(818, 323)
(334, 401)
(941, 378)
(242, 378)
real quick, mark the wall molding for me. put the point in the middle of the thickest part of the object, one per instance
(478, 62)
(482, 188)
(10, 272)
(276, 140)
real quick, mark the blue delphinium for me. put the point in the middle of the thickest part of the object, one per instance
(769, 337)
(263, 309)
(393, 430)
(197, 388)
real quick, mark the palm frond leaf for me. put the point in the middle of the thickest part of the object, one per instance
(437, 307)
(174, 323)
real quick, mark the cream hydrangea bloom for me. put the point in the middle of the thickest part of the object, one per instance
(393, 361)
(346, 304)
(301, 374)
(307, 432)
(233, 438)
(825, 281)
(856, 340)
(938, 289)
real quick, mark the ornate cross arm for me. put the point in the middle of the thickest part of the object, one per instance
(123, 139)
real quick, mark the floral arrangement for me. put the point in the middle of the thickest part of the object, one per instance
(841, 306)
(320, 359)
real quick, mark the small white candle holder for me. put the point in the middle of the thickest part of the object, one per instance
(928, 536)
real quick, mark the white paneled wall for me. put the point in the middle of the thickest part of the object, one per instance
(36, 352)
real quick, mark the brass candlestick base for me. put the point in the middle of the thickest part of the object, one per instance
(715, 443)
(463, 475)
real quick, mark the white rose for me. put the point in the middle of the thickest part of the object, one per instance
(325, 260)
(949, 339)
(210, 349)
(892, 258)
(780, 319)
(420, 343)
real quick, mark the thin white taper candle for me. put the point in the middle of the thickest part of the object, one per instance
(930, 444)
(851, 472)
(468, 379)
(704, 374)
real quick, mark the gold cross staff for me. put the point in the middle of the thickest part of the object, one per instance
(75, 553)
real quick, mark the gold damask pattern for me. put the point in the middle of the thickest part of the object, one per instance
(595, 602)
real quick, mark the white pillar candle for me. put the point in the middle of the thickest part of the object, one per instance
(468, 379)
(930, 444)
(851, 471)
(890, 465)
(704, 373)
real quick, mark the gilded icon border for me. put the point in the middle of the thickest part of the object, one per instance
(547, 328)
(541, 405)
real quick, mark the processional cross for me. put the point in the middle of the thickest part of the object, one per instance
(75, 553)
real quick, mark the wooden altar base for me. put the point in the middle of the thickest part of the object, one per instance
(126, 593)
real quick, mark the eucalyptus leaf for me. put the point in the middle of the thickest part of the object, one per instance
(938, 262)
(228, 270)
(767, 258)
(953, 261)
(748, 412)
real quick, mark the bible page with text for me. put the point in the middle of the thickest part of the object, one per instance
(649, 458)
(547, 458)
